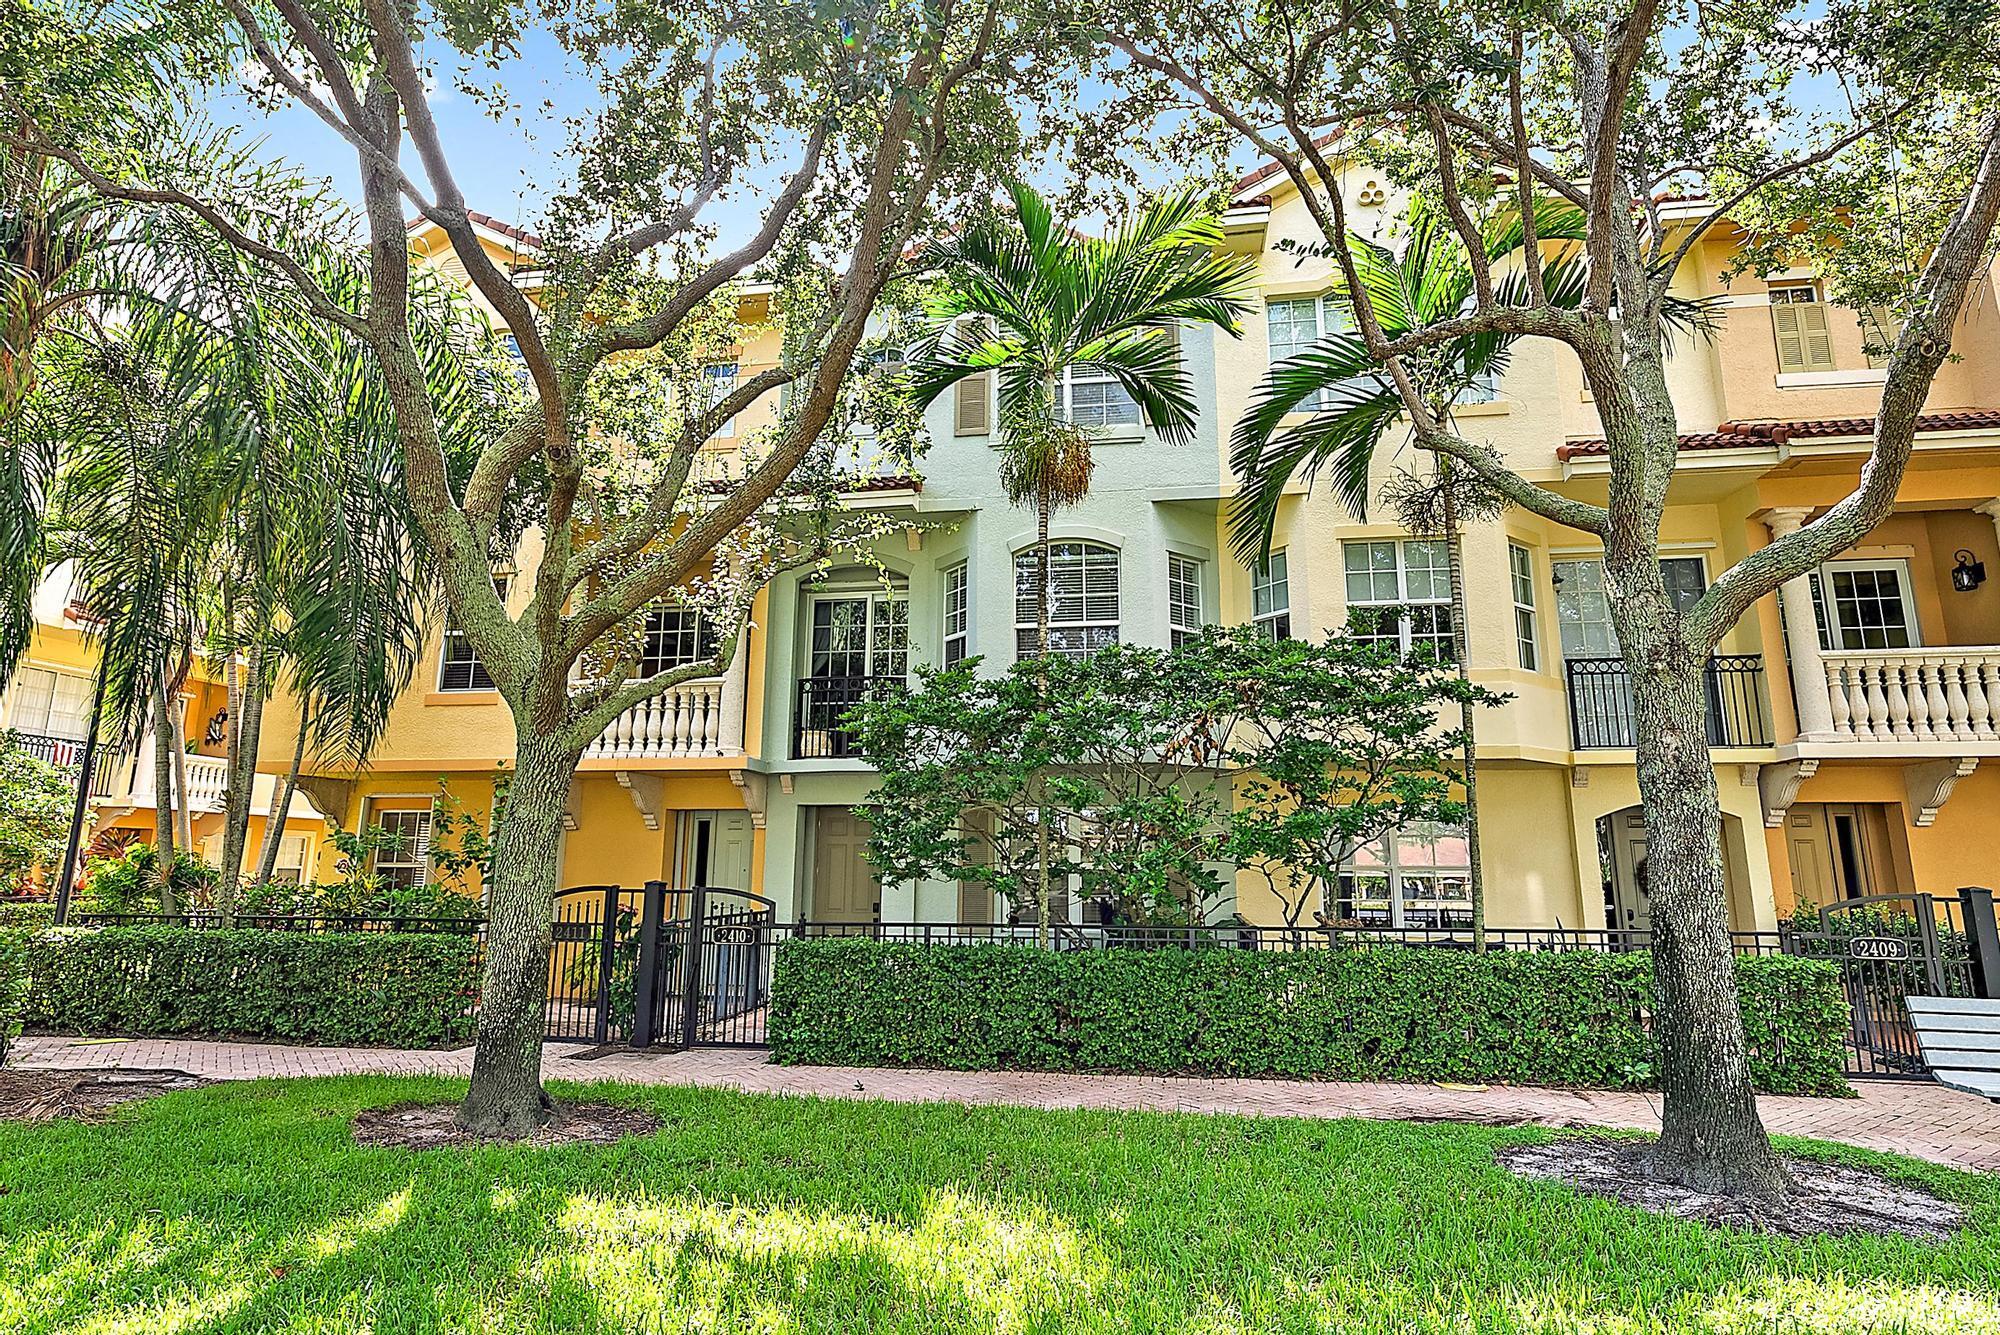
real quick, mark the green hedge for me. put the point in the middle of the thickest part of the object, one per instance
(397, 989)
(1381, 1013)
(13, 987)
(27, 913)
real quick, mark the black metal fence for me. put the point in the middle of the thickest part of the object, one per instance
(823, 702)
(1600, 702)
(285, 922)
(55, 750)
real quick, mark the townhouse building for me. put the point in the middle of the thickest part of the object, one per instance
(1849, 714)
(47, 703)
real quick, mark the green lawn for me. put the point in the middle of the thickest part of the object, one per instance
(246, 1207)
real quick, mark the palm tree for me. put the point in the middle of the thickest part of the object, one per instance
(1034, 301)
(232, 488)
(1353, 405)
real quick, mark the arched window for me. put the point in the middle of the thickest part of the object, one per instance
(1083, 598)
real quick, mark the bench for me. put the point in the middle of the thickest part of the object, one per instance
(1961, 1041)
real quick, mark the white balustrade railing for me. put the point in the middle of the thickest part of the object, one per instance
(686, 720)
(1922, 695)
(128, 780)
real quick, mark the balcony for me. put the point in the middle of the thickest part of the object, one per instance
(822, 703)
(55, 750)
(1600, 703)
(127, 781)
(686, 720)
(1913, 695)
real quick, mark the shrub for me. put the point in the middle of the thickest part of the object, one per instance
(1374, 1013)
(27, 913)
(130, 882)
(13, 986)
(399, 989)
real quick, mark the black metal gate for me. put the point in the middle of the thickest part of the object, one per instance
(653, 966)
(591, 953)
(1888, 948)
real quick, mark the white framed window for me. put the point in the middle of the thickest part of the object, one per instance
(856, 636)
(1485, 387)
(1271, 597)
(1798, 323)
(675, 637)
(957, 615)
(51, 703)
(1083, 598)
(459, 668)
(1420, 875)
(718, 383)
(1183, 599)
(1294, 324)
(290, 868)
(1403, 590)
(1583, 605)
(405, 863)
(1094, 399)
(1521, 573)
(1870, 605)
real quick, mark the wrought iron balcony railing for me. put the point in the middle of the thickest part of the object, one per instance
(1600, 702)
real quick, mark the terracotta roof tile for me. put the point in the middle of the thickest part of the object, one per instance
(492, 223)
(1749, 435)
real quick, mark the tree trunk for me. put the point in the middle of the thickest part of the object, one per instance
(281, 805)
(183, 810)
(1461, 637)
(1712, 1138)
(506, 1098)
(246, 724)
(1043, 933)
(163, 793)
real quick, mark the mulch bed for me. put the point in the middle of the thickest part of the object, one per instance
(429, 1126)
(1826, 1198)
(83, 1096)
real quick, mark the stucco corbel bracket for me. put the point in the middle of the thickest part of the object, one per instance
(1930, 784)
(1778, 786)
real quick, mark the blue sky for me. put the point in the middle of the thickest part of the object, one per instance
(505, 167)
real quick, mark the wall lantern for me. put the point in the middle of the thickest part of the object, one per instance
(1968, 574)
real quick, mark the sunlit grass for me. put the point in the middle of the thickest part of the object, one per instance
(249, 1208)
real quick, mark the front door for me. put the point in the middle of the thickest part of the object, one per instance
(1839, 850)
(844, 888)
(1627, 900)
(715, 850)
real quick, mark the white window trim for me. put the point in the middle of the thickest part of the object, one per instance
(418, 855)
(961, 573)
(719, 387)
(1406, 637)
(1394, 871)
(1528, 647)
(1821, 578)
(1180, 567)
(876, 597)
(503, 584)
(1267, 621)
(1090, 548)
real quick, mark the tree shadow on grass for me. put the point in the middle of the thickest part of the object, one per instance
(248, 1207)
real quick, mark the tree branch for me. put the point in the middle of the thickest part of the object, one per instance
(1958, 259)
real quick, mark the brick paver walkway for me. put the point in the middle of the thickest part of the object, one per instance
(1920, 1119)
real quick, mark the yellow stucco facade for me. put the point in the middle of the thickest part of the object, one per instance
(1820, 797)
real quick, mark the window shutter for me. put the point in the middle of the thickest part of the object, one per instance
(1791, 343)
(1818, 343)
(423, 850)
(1170, 338)
(972, 405)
